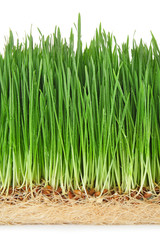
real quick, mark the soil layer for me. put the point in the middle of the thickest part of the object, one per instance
(43, 205)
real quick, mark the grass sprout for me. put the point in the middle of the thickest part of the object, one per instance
(80, 118)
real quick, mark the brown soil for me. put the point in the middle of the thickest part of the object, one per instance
(44, 205)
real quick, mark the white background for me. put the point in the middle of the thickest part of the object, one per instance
(69, 232)
(122, 18)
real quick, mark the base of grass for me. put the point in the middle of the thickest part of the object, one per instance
(42, 205)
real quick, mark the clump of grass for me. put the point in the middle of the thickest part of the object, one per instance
(80, 118)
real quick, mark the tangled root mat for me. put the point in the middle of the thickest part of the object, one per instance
(42, 206)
